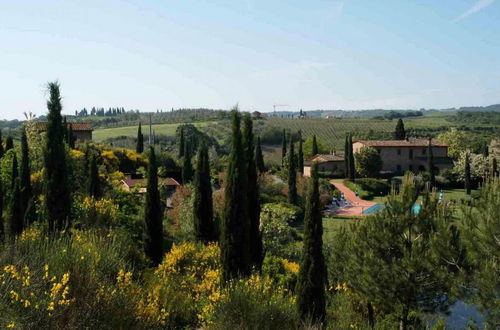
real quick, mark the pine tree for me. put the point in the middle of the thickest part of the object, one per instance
(182, 146)
(352, 170)
(153, 240)
(292, 175)
(430, 164)
(314, 146)
(16, 210)
(235, 255)
(283, 147)
(300, 156)
(202, 203)
(14, 172)
(9, 143)
(312, 276)
(399, 133)
(187, 166)
(1, 145)
(346, 156)
(467, 184)
(139, 148)
(25, 175)
(253, 196)
(94, 187)
(56, 189)
(259, 159)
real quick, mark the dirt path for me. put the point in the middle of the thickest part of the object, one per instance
(357, 206)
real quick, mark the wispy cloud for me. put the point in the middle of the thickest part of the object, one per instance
(478, 6)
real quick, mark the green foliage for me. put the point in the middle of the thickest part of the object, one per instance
(140, 140)
(308, 147)
(300, 155)
(94, 185)
(399, 133)
(187, 166)
(16, 219)
(281, 271)
(182, 143)
(2, 151)
(312, 279)
(9, 143)
(368, 162)
(25, 176)
(457, 141)
(283, 146)
(292, 175)
(259, 159)
(350, 155)
(369, 188)
(202, 201)
(467, 176)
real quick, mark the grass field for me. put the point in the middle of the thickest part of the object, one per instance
(164, 129)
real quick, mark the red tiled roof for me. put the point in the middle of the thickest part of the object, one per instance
(338, 156)
(42, 126)
(400, 143)
(172, 182)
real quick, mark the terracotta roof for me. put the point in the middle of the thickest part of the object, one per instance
(42, 126)
(134, 182)
(172, 182)
(400, 143)
(338, 156)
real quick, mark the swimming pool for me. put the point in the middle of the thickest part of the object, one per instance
(372, 209)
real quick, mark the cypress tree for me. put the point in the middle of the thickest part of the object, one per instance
(202, 204)
(94, 188)
(70, 138)
(9, 143)
(2, 227)
(467, 180)
(494, 167)
(314, 146)
(1, 144)
(346, 156)
(65, 130)
(16, 210)
(399, 133)
(14, 172)
(312, 276)
(153, 240)
(139, 148)
(187, 166)
(352, 170)
(253, 196)
(430, 164)
(235, 255)
(259, 159)
(182, 146)
(292, 175)
(25, 175)
(300, 156)
(283, 146)
(57, 192)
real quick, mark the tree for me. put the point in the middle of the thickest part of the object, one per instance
(308, 147)
(187, 166)
(494, 167)
(300, 155)
(94, 186)
(399, 133)
(368, 162)
(57, 192)
(352, 170)
(312, 276)
(139, 148)
(182, 146)
(15, 171)
(16, 210)
(430, 164)
(26, 190)
(2, 226)
(202, 201)
(259, 159)
(457, 141)
(346, 156)
(253, 196)
(1, 144)
(153, 240)
(292, 175)
(235, 254)
(315, 149)
(283, 146)
(70, 138)
(9, 143)
(467, 177)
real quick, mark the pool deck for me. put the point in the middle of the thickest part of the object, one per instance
(357, 206)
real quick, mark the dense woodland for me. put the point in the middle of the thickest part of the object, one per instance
(244, 244)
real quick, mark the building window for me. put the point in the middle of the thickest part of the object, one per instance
(424, 151)
(410, 155)
(399, 152)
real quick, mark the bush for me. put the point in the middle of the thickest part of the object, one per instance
(369, 188)
(281, 271)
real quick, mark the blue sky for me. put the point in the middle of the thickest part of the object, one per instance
(310, 54)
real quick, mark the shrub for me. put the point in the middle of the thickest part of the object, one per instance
(281, 271)
(369, 188)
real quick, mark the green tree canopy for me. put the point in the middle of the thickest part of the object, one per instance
(368, 162)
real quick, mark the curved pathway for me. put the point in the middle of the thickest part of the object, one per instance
(357, 206)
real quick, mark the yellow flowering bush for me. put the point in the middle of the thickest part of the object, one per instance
(98, 211)
(110, 160)
(76, 154)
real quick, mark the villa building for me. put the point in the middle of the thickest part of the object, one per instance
(332, 163)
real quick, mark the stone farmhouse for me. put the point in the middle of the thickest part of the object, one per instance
(332, 163)
(81, 131)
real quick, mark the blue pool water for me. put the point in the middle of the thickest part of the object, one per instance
(373, 209)
(416, 209)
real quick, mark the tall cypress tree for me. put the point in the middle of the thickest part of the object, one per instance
(16, 210)
(14, 172)
(187, 166)
(235, 255)
(346, 156)
(94, 187)
(139, 148)
(9, 143)
(182, 143)
(315, 150)
(300, 155)
(352, 170)
(1, 144)
(153, 240)
(202, 203)
(253, 196)
(430, 164)
(57, 192)
(292, 175)
(283, 147)
(25, 175)
(259, 159)
(65, 130)
(399, 133)
(467, 184)
(2, 227)
(70, 139)
(312, 276)
(494, 167)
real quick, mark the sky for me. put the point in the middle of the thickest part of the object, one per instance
(305, 54)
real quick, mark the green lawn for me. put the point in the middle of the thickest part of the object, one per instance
(331, 224)
(163, 129)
